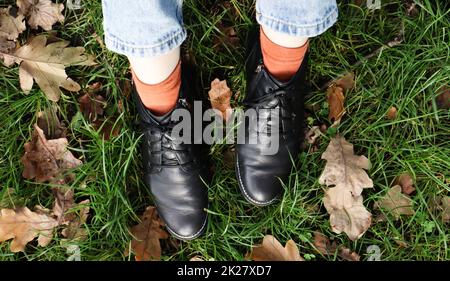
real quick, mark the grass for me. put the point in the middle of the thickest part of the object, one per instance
(407, 76)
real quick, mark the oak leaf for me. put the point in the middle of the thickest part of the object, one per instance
(346, 172)
(11, 27)
(45, 64)
(41, 13)
(325, 247)
(335, 100)
(91, 105)
(272, 250)
(146, 235)
(75, 220)
(396, 202)
(220, 97)
(47, 160)
(23, 225)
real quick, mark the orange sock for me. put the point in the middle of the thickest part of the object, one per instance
(162, 97)
(281, 62)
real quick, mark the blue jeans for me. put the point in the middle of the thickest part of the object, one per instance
(145, 28)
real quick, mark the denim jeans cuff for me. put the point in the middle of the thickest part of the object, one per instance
(173, 41)
(292, 29)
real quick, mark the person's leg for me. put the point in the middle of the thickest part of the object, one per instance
(276, 71)
(286, 26)
(149, 33)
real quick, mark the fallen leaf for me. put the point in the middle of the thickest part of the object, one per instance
(406, 182)
(220, 97)
(312, 134)
(11, 27)
(41, 13)
(345, 171)
(48, 121)
(324, 245)
(92, 105)
(64, 201)
(45, 64)
(272, 250)
(348, 254)
(392, 113)
(346, 82)
(411, 9)
(146, 236)
(23, 225)
(396, 203)
(443, 99)
(47, 160)
(227, 37)
(335, 100)
(75, 221)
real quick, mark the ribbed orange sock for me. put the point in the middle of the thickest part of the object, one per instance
(281, 62)
(162, 97)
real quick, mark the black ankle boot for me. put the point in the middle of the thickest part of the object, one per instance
(173, 171)
(260, 176)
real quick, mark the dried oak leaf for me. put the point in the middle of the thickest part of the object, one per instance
(146, 236)
(11, 27)
(345, 171)
(45, 64)
(325, 247)
(220, 97)
(272, 250)
(406, 182)
(396, 202)
(23, 225)
(346, 82)
(47, 160)
(41, 13)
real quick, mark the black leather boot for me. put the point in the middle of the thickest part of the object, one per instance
(260, 176)
(173, 171)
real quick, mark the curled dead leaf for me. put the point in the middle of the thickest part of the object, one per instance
(220, 97)
(272, 250)
(335, 100)
(392, 113)
(406, 181)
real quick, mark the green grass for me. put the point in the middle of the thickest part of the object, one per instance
(407, 76)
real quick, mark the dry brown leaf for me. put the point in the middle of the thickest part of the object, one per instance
(312, 134)
(392, 113)
(220, 97)
(443, 99)
(325, 247)
(272, 250)
(41, 13)
(396, 202)
(23, 225)
(345, 171)
(228, 37)
(64, 201)
(75, 221)
(47, 160)
(48, 121)
(335, 100)
(11, 27)
(346, 82)
(348, 255)
(45, 64)
(147, 233)
(406, 182)
(92, 105)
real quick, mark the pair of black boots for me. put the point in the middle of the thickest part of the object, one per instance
(178, 178)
